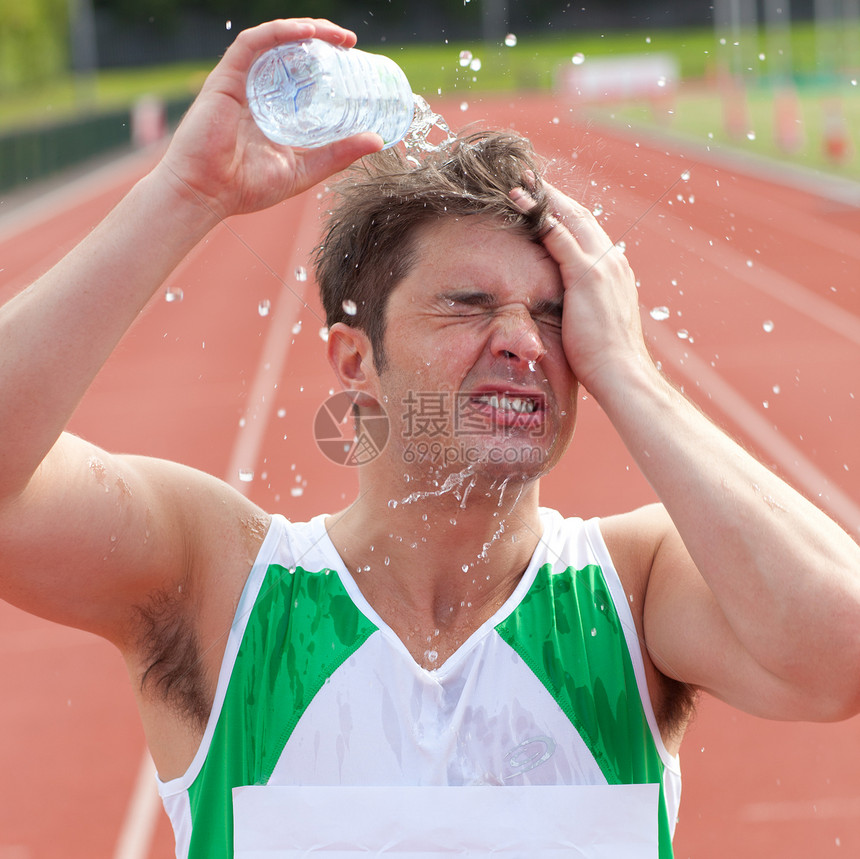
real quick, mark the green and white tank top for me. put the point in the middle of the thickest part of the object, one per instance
(316, 692)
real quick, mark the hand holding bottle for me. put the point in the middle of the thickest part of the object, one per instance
(219, 159)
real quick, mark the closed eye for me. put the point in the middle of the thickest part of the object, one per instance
(468, 303)
(462, 303)
(548, 313)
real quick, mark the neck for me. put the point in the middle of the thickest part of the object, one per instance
(440, 555)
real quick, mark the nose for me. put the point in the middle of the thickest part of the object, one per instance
(516, 337)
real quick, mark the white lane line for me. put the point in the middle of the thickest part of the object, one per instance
(765, 280)
(17, 218)
(138, 828)
(141, 817)
(794, 465)
(289, 305)
(826, 808)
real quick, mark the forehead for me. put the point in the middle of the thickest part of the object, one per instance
(476, 251)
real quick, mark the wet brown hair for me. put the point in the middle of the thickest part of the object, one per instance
(369, 241)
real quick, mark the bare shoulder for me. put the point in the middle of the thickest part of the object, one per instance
(634, 540)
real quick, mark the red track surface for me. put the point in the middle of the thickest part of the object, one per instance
(725, 251)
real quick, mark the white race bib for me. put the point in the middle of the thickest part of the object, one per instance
(549, 822)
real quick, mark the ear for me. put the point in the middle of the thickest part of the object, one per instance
(351, 357)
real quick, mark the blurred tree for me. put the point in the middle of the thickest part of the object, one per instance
(33, 42)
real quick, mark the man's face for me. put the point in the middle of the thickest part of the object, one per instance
(476, 376)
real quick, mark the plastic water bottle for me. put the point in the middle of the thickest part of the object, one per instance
(310, 93)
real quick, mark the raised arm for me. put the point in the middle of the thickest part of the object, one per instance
(121, 525)
(752, 593)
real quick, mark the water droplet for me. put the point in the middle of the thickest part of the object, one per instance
(597, 211)
(761, 57)
(776, 389)
(647, 40)
(264, 307)
(431, 656)
(578, 59)
(511, 40)
(350, 308)
(593, 632)
(659, 313)
(392, 503)
(282, 413)
(475, 65)
(246, 475)
(173, 294)
(301, 274)
(296, 491)
(683, 334)
(324, 334)
(750, 135)
(621, 246)
(297, 327)
(685, 176)
(465, 58)
(767, 325)
(464, 105)
(465, 568)
(229, 24)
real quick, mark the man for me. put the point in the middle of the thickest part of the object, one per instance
(443, 630)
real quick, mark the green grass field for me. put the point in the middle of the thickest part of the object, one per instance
(532, 64)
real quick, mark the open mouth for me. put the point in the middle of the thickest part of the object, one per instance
(521, 405)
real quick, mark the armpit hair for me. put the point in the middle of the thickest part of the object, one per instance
(678, 706)
(171, 654)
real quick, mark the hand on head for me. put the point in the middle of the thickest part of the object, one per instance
(601, 323)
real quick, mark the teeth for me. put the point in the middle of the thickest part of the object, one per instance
(515, 404)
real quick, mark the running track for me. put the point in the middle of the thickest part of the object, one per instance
(760, 282)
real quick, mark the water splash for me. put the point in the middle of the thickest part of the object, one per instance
(350, 308)
(451, 484)
(424, 120)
